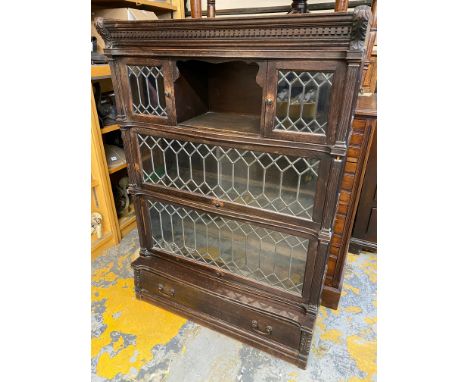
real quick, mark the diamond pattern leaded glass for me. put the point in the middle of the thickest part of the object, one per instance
(267, 256)
(275, 182)
(147, 90)
(302, 101)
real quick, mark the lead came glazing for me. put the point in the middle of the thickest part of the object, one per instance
(302, 101)
(279, 183)
(147, 90)
(261, 254)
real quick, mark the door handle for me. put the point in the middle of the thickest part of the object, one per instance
(169, 293)
(267, 332)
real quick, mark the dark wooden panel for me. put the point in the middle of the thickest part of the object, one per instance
(365, 226)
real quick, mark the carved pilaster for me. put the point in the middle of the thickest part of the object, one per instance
(339, 148)
(137, 283)
(330, 203)
(305, 344)
(325, 235)
(361, 17)
(310, 309)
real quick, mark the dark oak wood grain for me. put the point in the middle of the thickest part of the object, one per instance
(217, 87)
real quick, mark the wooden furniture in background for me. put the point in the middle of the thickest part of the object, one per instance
(360, 183)
(175, 6)
(326, 6)
(369, 80)
(236, 136)
(102, 199)
(364, 126)
(341, 5)
(364, 235)
(196, 9)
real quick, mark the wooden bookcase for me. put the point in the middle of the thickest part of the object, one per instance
(237, 136)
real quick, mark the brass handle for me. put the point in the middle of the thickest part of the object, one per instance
(170, 293)
(217, 203)
(267, 332)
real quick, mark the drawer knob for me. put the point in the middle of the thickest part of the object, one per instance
(269, 101)
(169, 293)
(267, 332)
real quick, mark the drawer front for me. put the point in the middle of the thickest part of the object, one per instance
(271, 258)
(220, 285)
(280, 183)
(251, 321)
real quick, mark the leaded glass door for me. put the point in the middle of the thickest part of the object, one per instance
(302, 100)
(149, 95)
(249, 211)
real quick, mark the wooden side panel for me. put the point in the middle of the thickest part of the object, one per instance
(101, 191)
(365, 224)
(357, 154)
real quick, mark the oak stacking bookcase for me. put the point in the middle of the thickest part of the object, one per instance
(236, 132)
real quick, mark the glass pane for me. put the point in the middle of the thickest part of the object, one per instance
(302, 101)
(267, 256)
(147, 90)
(278, 183)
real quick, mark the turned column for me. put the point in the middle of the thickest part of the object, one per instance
(195, 9)
(341, 5)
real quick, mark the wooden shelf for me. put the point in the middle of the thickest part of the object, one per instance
(118, 168)
(109, 128)
(231, 121)
(147, 5)
(102, 243)
(124, 221)
(100, 71)
(127, 222)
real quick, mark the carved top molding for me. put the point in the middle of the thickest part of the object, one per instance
(318, 31)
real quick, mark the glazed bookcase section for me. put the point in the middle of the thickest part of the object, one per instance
(260, 254)
(236, 131)
(290, 100)
(279, 183)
